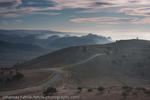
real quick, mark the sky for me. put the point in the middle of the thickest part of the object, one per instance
(120, 19)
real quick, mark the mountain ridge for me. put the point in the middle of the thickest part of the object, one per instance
(11, 53)
(51, 39)
(124, 62)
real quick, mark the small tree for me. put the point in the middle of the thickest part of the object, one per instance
(7, 80)
(18, 76)
(114, 62)
(126, 91)
(84, 49)
(90, 90)
(147, 92)
(125, 94)
(101, 89)
(144, 90)
(127, 88)
(135, 93)
(1, 80)
(2, 72)
(140, 89)
(49, 91)
(79, 89)
(10, 72)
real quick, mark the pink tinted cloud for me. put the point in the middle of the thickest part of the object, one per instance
(104, 20)
(112, 20)
(18, 21)
(136, 11)
(4, 21)
(10, 15)
(12, 22)
(10, 3)
(143, 21)
(89, 6)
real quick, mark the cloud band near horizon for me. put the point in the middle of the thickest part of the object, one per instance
(76, 15)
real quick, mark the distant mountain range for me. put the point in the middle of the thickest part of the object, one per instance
(20, 45)
(51, 39)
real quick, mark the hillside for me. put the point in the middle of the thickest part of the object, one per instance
(22, 45)
(12, 53)
(124, 62)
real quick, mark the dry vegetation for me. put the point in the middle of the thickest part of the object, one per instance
(121, 74)
(31, 78)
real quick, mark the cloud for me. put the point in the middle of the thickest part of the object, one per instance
(143, 21)
(18, 21)
(25, 7)
(54, 5)
(104, 20)
(9, 3)
(112, 20)
(45, 13)
(4, 21)
(10, 15)
(136, 11)
(62, 4)
(97, 4)
(16, 8)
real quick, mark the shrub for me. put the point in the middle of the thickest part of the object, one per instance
(84, 49)
(90, 90)
(126, 91)
(135, 93)
(7, 80)
(1, 80)
(80, 89)
(140, 89)
(114, 62)
(127, 88)
(125, 94)
(49, 91)
(147, 92)
(144, 90)
(18, 76)
(101, 89)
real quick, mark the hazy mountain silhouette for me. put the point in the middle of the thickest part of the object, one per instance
(20, 45)
(51, 39)
(11, 53)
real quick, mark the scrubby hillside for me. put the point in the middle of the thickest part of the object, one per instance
(124, 63)
(121, 63)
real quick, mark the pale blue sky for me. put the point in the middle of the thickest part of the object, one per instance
(120, 19)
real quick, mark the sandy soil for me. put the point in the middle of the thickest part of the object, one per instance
(109, 93)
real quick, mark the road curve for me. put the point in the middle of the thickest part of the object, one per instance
(35, 88)
(44, 85)
(86, 60)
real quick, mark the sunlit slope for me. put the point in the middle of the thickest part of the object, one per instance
(122, 62)
(64, 57)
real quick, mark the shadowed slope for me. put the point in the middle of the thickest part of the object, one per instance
(121, 63)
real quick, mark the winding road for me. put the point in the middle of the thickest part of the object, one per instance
(86, 60)
(58, 73)
(36, 88)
